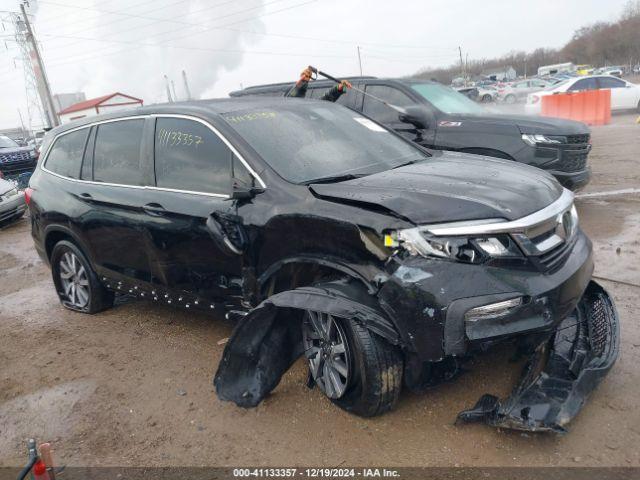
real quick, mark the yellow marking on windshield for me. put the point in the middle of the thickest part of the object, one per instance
(249, 117)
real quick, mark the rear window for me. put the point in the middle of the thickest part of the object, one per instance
(611, 82)
(116, 156)
(65, 156)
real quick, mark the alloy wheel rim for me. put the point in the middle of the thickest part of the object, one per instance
(327, 352)
(74, 280)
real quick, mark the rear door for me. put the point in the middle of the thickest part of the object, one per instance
(115, 172)
(193, 167)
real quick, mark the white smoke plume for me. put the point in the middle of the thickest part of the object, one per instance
(99, 47)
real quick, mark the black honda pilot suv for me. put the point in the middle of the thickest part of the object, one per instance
(444, 119)
(326, 235)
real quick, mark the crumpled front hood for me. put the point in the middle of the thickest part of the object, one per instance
(530, 124)
(450, 187)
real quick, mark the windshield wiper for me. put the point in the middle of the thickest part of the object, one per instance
(410, 162)
(334, 178)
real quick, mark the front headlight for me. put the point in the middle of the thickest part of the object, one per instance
(532, 140)
(461, 249)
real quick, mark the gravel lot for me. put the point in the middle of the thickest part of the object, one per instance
(132, 386)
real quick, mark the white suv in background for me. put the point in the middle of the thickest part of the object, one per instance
(624, 95)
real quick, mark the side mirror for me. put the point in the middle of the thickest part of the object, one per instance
(417, 116)
(244, 192)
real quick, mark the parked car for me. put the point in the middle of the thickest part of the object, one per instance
(12, 205)
(615, 71)
(327, 235)
(487, 94)
(15, 159)
(471, 93)
(584, 70)
(518, 91)
(624, 95)
(453, 122)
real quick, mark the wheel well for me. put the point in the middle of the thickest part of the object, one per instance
(488, 152)
(296, 275)
(53, 238)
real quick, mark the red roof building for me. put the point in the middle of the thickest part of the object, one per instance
(95, 106)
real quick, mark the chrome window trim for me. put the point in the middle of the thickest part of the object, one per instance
(521, 225)
(149, 187)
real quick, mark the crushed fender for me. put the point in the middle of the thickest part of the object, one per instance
(267, 341)
(549, 395)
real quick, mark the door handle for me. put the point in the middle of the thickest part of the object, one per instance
(85, 196)
(154, 209)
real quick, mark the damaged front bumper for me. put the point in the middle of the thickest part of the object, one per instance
(561, 373)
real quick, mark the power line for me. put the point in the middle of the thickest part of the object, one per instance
(192, 24)
(123, 19)
(138, 27)
(163, 43)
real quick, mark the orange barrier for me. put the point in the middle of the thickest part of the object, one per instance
(592, 107)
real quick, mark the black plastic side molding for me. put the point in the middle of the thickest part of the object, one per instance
(267, 341)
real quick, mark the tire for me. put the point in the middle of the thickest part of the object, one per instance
(77, 284)
(510, 99)
(374, 367)
(486, 98)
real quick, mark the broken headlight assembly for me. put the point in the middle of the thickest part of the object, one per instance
(464, 249)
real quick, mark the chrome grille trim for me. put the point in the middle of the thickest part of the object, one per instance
(531, 225)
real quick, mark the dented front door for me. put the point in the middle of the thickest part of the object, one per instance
(189, 255)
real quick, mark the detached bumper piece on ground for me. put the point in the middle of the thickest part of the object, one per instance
(549, 395)
(555, 385)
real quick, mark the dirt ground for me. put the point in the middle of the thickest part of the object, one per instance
(133, 385)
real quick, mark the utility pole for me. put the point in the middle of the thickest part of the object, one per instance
(186, 85)
(360, 61)
(24, 130)
(41, 75)
(166, 81)
(173, 89)
(462, 66)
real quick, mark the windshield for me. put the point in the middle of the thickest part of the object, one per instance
(446, 99)
(6, 142)
(306, 142)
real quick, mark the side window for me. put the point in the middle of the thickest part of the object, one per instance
(378, 110)
(116, 157)
(584, 84)
(611, 82)
(65, 156)
(189, 156)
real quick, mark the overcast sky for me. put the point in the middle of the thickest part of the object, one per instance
(99, 47)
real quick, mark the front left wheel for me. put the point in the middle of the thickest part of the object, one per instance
(77, 284)
(355, 368)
